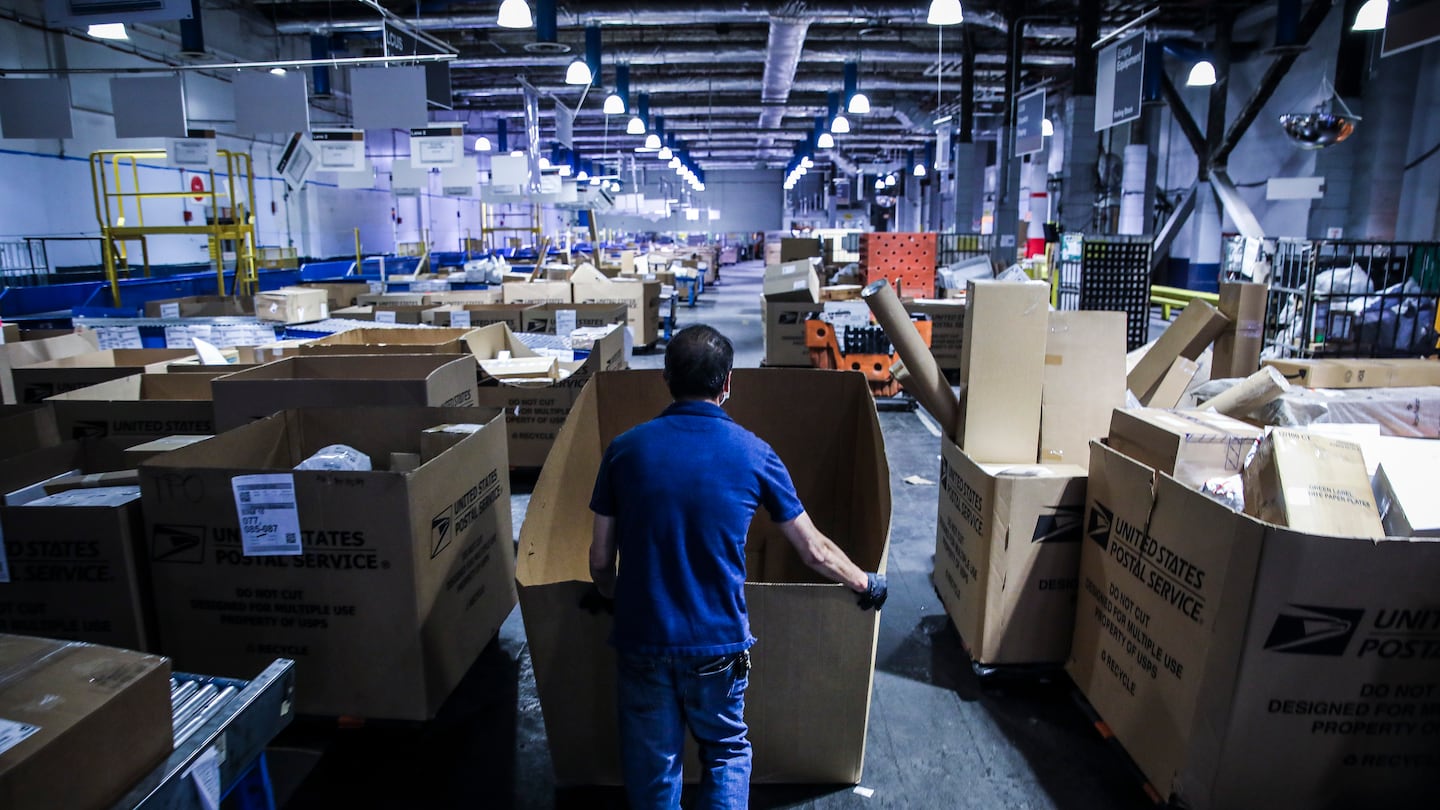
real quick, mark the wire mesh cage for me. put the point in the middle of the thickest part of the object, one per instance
(1107, 273)
(1340, 298)
(953, 247)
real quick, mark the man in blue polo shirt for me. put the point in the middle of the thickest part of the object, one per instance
(692, 480)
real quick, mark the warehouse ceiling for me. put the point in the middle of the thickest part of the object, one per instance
(743, 82)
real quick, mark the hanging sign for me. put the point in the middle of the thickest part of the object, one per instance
(1120, 81)
(437, 146)
(942, 147)
(400, 40)
(195, 152)
(1029, 123)
(340, 150)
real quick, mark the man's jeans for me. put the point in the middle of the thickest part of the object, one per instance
(659, 696)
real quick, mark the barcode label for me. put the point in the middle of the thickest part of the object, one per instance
(13, 733)
(170, 310)
(269, 518)
(119, 337)
(460, 319)
(385, 316)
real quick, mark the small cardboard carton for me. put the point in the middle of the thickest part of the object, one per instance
(1003, 370)
(1007, 552)
(73, 563)
(543, 318)
(466, 316)
(38, 382)
(293, 305)
(388, 341)
(841, 292)
(339, 295)
(783, 329)
(1192, 446)
(1172, 387)
(641, 300)
(1244, 664)
(1237, 349)
(1084, 383)
(26, 427)
(66, 704)
(1312, 484)
(808, 701)
(200, 306)
(947, 328)
(1195, 328)
(409, 314)
(397, 580)
(419, 380)
(1360, 373)
(792, 281)
(536, 292)
(490, 295)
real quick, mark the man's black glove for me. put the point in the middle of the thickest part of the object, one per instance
(595, 603)
(875, 592)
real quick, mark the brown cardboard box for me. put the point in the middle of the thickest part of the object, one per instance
(1084, 383)
(1313, 484)
(541, 317)
(95, 721)
(841, 292)
(1196, 327)
(477, 315)
(792, 249)
(1171, 388)
(1237, 349)
(536, 292)
(40, 381)
(200, 306)
(9, 333)
(409, 314)
(259, 355)
(293, 305)
(145, 451)
(490, 295)
(792, 281)
(418, 380)
(1359, 373)
(339, 295)
(1241, 664)
(641, 300)
(138, 407)
(783, 330)
(388, 341)
(947, 329)
(403, 578)
(26, 427)
(1003, 370)
(536, 410)
(1007, 552)
(402, 299)
(1192, 446)
(76, 560)
(808, 700)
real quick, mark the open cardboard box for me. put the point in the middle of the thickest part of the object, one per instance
(26, 427)
(640, 298)
(34, 383)
(808, 701)
(14, 354)
(135, 409)
(403, 578)
(389, 341)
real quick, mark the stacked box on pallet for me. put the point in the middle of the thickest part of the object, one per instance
(906, 259)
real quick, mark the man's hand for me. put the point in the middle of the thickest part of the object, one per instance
(875, 592)
(595, 603)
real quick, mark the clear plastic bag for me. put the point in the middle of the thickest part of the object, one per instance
(339, 457)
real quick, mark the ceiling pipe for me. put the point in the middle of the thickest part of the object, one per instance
(730, 85)
(647, 55)
(782, 58)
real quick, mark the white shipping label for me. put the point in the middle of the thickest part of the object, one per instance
(376, 288)
(170, 310)
(253, 334)
(460, 319)
(119, 337)
(385, 316)
(269, 518)
(182, 337)
(564, 321)
(13, 733)
(205, 773)
(800, 285)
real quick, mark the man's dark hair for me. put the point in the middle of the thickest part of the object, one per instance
(697, 361)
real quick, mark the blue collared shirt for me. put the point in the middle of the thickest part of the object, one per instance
(682, 489)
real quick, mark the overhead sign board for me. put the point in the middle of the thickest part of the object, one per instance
(401, 41)
(1120, 81)
(438, 146)
(1030, 123)
(340, 150)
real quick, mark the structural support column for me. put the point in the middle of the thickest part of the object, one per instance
(969, 186)
(1389, 109)
(1082, 153)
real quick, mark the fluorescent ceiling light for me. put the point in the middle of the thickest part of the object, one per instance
(515, 14)
(945, 12)
(277, 71)
(859, 104)
(826, 141)
(1047, 127)
(635, 127)
(1202, 75)
(108, 31)
(841, 125)
(652, 141)
(1370, 17)
(614, 105)
(482, 144)
(578, 72)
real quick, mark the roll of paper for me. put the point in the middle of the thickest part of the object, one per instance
(923, 379)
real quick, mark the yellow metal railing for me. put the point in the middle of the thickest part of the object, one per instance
(1170, 298)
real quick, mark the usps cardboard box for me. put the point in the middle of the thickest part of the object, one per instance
(388, 341)
(536, 409)
(139, 407)
(542, 318)
(1192, 446)
(809, 695)
(783, 330)
(29, 352)
(535, 292)
(421, 380)
(200, 306)
(947, 329)
(1084, 383)
(293, 305)
(73, 563)
(26, 427)
(1003, 370)
(40, 381)
(467, 316)
(401, 579)
(92, 721)
(489, 295)
(640, 298)
(1007, 556)
(1237, 349)
(791, 281)
(1359, 373)
(1242, 664)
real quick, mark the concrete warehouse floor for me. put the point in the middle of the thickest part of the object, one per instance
(939, 737)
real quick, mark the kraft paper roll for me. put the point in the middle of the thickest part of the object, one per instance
(924, 379)
(1255, 391)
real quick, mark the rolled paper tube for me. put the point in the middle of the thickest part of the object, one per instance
(1251, 393)
(924, 378)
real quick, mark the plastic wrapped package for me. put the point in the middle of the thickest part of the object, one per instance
(341, 457)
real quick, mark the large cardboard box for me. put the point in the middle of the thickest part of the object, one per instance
(1192, 446)
(40, 381)
(339, 295)
(1084, 383)
(401, 578)
(536, 292)
(809, 695)
(200, 306)
(641, 300)
(1196, 327)
(541, 318)
(792, 281)
(466, 316)
(293, 305)
(1237, 349)
(408, 314)
(947, 329)
(1003, 370)
(490, 295)
(794, 249)
(86, 722)
(388, 341)
(783, 330)
(1007, 553)
(1172, 387)
(26, 427)
(73, 565)
(1242, 664)
(1359, 373)
(1311, 483)
(420, 380)
(536, 409)
(139, 407)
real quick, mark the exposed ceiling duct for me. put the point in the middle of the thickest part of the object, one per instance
(782, 58)
(658, 55)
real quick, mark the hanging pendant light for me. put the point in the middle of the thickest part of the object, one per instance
(945, 12)
(107, 31)
(825, 141)
(859, 104)
(578, 73)
(1372, 16)
(1202, 75)
(635, 127)
(890, 181)
(652, 141)
(482, 144)
(614, 104)
(1047, 127)
(879, 184)
(841, 125)
(515, 14)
